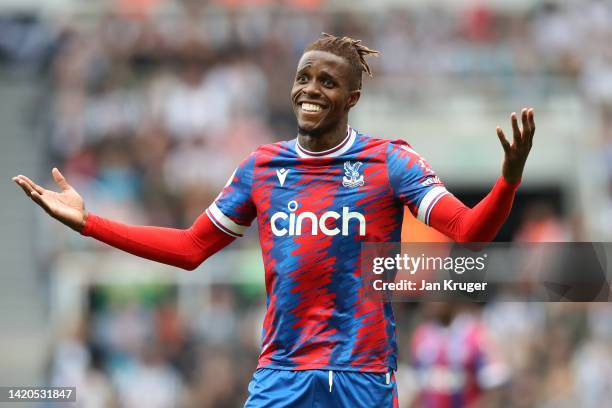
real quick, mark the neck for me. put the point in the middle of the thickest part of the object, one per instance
(316, 141)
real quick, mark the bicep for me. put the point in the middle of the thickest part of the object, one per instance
(413, 181)
(233, 210)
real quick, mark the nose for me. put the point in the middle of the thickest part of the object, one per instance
(311, 88)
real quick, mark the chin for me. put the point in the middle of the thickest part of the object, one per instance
(309, 129)
(307, 125)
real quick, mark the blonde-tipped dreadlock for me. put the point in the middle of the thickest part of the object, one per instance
(353, 50)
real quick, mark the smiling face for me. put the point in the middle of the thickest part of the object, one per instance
(322, 93)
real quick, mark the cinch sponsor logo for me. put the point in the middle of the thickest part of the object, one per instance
(317, 223)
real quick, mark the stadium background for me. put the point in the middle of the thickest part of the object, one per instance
(148, 105)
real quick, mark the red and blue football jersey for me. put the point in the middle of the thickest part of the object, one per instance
(314, 210)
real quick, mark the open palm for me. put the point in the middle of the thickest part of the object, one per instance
(66, 206)
(515, 154)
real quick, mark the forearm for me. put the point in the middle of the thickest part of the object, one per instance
(479, 224)
(182, 248)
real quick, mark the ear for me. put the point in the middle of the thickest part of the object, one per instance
(353, 98)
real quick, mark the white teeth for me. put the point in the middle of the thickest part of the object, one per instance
(310, 107)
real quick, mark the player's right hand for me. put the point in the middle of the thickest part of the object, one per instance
(66, 206)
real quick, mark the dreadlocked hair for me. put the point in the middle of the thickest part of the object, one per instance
(350, 49)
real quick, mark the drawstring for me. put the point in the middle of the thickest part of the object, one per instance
(331, 379)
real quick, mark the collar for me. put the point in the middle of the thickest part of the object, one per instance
(335, 151)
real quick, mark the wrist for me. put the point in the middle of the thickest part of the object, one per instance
(512, 172)
(83, 221)
(87, 225)
(510, 182)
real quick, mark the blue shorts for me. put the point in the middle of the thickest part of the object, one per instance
(271, 388)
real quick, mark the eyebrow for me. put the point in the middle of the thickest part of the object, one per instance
(327, 74)
(304, 67)
(322, 71)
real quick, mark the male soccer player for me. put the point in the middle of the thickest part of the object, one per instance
(316, 199)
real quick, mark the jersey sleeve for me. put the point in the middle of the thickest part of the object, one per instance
(233, 210)
(413, 182)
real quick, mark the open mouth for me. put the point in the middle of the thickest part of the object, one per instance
(311, 107)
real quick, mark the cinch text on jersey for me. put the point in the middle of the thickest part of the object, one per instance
(279, 221)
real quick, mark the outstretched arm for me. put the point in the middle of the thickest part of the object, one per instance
(186, 248)
(478, 224)
(182, 248)
(482, 223)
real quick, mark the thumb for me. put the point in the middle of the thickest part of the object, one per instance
(59, 179)
(502, 139)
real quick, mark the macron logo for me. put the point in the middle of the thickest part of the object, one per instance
(282, 175)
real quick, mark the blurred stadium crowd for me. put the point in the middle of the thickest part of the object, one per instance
(148, 113)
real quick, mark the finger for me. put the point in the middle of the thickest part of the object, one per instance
(531, 124)
(526, 128)
(21, 180)
(503, 140)
(24, 186)
(33, 185)
(40, 201)
(516, 132)
(59, 179)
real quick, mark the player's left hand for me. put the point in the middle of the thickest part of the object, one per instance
(517, 152)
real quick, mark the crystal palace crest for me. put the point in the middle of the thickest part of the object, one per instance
(352, 177)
